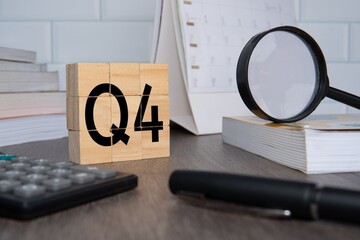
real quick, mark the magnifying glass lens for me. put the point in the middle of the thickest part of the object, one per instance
(282, 75)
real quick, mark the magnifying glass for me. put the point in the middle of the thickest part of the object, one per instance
(282, 77)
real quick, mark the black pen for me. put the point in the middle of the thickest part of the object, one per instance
(290, 198)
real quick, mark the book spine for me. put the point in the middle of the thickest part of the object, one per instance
(17, 55)
(9, 66)
(28, 81)
(30, 104)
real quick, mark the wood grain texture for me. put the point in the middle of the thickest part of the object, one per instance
(81, 78)
(162, 101)
(84, 150)
(155, 149)
(131, 151)
(152, 212)
(155, 75)
(75, 110)
(113, 108)
(132, 102)
(126, 76)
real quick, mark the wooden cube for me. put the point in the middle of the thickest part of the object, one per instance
(155, 75)
(125, 76)
(132, 150)
(117, 112)
(77, 115)
(82, 78)
(128, 114)
(84, 150)
(163, 110)
(156, 149)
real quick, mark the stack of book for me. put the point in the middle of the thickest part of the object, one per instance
(31, 106)
(317, 144)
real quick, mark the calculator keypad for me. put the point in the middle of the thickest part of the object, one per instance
(29, 178)
(34, 187)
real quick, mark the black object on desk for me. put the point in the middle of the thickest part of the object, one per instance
(31, 188)
(299, 199)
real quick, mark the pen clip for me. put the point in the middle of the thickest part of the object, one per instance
(200, 201)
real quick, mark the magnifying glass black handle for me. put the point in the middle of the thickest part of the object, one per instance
(278, 45)
(344, 97)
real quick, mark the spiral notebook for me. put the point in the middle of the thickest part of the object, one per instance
(201, 41)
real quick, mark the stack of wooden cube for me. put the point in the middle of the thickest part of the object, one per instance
(117, 112)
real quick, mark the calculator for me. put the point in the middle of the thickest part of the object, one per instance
(31, 188)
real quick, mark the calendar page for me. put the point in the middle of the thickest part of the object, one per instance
(214, 33)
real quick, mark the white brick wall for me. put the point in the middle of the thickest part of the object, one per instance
(64, 31)
(101, 41)
(49, 10)
(29, 35)
(335, 24)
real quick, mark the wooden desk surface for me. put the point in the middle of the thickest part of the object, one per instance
(152, 212)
